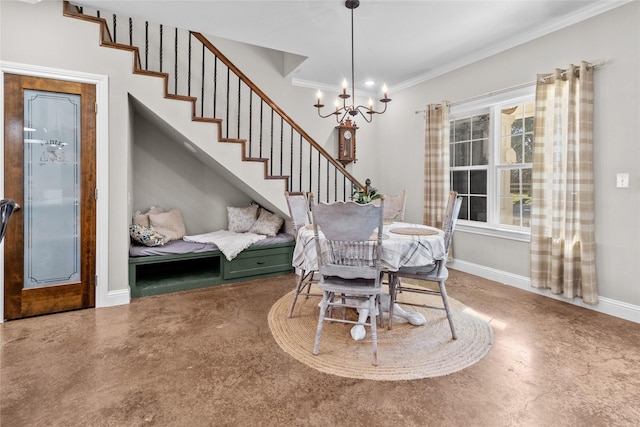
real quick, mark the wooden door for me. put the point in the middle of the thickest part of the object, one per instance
(50, 171)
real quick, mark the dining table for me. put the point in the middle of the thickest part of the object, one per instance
(403, 245)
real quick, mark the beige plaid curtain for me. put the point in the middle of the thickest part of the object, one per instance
(562, 217)
(436, 163)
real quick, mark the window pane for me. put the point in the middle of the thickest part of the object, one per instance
(461, 154)
(480, 152)
(464, 209)
(462, 130)
(478, 182)
(529, 110)
(478, 209)
(517, 144)
(517, 127)
(526, 182)
(460, 182)
(528, 148)
(480, 126)
(515, 197)
(508, 154)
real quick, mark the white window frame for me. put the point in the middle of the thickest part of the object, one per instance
(492, 104)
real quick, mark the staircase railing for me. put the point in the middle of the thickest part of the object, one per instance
(195, 70)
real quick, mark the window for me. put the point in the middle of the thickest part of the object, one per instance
(491, 151)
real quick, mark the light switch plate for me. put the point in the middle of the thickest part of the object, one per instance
(622, 180)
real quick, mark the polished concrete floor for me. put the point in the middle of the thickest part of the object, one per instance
(207, 358)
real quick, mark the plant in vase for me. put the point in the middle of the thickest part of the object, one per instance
(366, 195)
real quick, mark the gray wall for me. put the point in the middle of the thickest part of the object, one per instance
(613, 37)
(167, 175)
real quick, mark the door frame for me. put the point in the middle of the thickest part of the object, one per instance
(102, 169)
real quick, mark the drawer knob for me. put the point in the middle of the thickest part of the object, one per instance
(260, 262)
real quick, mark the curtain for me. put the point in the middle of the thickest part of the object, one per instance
(436, 163)
(562, 217)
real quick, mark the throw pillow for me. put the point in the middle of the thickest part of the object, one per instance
(145, 236)
(240, 220)
(169, 224)
(142, 219)
(268, 223)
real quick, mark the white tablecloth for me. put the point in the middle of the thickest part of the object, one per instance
(398, 250)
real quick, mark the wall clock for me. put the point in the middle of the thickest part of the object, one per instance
(347, 142)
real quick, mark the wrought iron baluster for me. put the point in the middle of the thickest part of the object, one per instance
(310, 169)
(300, 166)
(335, 184)
(146, 45)
(161, 29)
(239, 106)
(228, 94)
(175, 77)
(261, 126)
(291, 160)
(215, 85)
(202, 85)
(114, 28)
(250, 141)
(189, 66)
(281, 143)
(271, 146)
(130, 32)
(318, 177)
(327, 180)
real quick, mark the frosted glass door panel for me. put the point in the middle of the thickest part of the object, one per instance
(51, 189)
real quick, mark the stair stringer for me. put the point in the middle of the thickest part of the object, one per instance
(225, 158)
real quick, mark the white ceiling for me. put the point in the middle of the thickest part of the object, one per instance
(397, 42)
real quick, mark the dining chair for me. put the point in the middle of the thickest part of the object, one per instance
(7, 206)
(436, 272)
(394, 206)
(299, 210)
(349, 254)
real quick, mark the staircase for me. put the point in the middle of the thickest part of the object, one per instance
(195, 76)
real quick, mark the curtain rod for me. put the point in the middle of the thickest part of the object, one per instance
(593, 64)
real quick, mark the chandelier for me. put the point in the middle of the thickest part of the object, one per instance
(352, 110)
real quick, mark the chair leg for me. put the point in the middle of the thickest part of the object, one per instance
(299, 288)
(445, 300)
(323, 308)
(309, 282)
(374, 329)
(393, 289)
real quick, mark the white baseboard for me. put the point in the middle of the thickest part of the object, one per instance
(119, 297)
(608, 306)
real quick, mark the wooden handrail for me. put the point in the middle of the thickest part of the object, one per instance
(274, 106)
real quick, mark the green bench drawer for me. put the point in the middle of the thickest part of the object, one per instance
(256, 262)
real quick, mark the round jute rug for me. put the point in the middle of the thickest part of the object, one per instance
(406, 352)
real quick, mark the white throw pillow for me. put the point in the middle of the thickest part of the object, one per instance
(240, 220)
(268, 223)
(169, 224)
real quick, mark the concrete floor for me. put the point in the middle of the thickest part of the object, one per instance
(206, 357)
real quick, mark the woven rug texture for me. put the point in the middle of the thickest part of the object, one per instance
(405, 352)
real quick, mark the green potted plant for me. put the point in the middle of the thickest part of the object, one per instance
(366, 195)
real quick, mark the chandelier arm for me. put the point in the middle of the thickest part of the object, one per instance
(371, 110)
(364, 115)
(335, 113)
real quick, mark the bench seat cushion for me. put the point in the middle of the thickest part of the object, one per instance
(176, 247)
